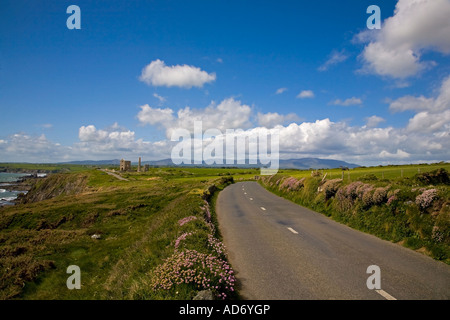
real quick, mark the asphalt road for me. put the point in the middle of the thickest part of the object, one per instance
(282, 251)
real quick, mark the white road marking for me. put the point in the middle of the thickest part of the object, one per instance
(262, 208)
(386, 295)
(245, 192)
(251, 198)
(292, 230)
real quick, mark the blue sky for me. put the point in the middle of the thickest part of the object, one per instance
(79, 94)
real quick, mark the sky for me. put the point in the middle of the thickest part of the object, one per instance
(137, 70)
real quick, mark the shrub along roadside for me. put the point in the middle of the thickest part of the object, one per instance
(410, 211)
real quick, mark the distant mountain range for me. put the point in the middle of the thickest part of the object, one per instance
(303, 163)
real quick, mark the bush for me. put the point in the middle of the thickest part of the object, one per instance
(292, 184)
(425, 199)
(368, 177)
(439, 176)
(331, 187)
(380, 195)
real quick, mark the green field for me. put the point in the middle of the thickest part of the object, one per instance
(138, 222)
(137, 239)
(381, 172)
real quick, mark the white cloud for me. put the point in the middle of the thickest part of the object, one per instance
(115, 142)
(152, 116)
(433, 113)
(158, 74)
(417, 26)
(305, 94)
(160, 98)
(347, 102)
(426, 137)
(411, 103)
(430, 122)
(335, 57)
(91, 134)
(373, 121)
(228, 114)
(400, 154)
(23, 147)
(280, 90)
(272, 119)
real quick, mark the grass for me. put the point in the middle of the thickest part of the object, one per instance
(413, 210)
(141, 235)
(391, 172)
(137, 221)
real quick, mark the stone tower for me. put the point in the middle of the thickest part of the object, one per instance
(125, 165)
(139, 165)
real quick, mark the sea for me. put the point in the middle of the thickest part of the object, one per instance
(7, 179)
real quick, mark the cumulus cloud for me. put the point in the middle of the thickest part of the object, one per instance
(272, 119)
(347, 102)
(433, 113)
(152, 116)
(30, 148)
(228, 114)
(305, 94)
(158, 74)
(426, 137)
(116, 142)
(416, 26)
(400, 154)
(374, 121)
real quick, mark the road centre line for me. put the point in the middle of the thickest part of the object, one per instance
(262, 208)
(386, 295)
(292, 230)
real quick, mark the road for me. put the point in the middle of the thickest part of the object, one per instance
(282, 251)
(115, 175)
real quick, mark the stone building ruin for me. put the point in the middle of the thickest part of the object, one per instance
(125, 165)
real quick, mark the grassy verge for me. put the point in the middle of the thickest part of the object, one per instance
(413, 211)
(133, 239)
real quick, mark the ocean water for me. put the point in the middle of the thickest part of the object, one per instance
(11, 177)
(7, 179)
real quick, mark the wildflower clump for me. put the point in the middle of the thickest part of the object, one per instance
(330, 187)
(216, 245)
(292, 184)
(199, 270)
(207, 212)
(186, 220)
(181, 238)
(425, 199)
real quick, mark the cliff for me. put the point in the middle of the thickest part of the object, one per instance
(55, 185)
